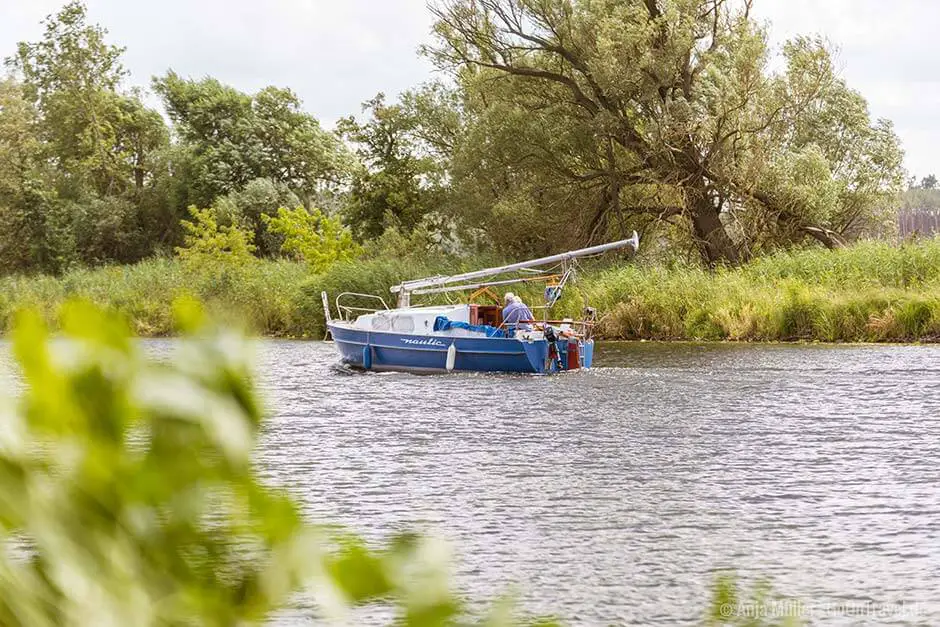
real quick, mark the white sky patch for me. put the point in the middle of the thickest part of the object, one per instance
(889, 51)
(338, 53)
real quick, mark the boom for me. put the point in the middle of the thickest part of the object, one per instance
(405, 289)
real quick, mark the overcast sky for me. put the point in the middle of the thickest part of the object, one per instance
(337, 53)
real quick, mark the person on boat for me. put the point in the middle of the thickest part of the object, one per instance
(516, 315)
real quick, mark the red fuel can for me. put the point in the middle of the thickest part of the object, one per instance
(574, 354)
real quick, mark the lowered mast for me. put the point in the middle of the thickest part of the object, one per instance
(405, 289)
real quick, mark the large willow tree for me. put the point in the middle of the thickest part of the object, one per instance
(663, 110)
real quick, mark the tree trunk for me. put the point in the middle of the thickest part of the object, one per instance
(714, 243)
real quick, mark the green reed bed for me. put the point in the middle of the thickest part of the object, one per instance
(264, 297)
(871, 292)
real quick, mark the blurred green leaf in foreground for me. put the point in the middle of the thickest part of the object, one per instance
(733, 607)
(127, 495)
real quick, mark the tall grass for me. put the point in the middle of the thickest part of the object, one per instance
(871, 292)
(264, 297)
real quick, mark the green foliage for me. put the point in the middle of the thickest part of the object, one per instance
(730, 608)
(797, 312)
(313, 237)
(21, 197)
(402, 178)
(234, 138)
(388, 261)
(34, 228)
(105, 229)
(138, 502)
(208, 244)
(867, 292)
(259, 199)
(855, 162)
(584, 119)
(98, 136)
(265, 298)
(916, 316)
(87, 172)
(81, 155)
(72, 75)
(566, 123)
(921, 198)
(130, 484)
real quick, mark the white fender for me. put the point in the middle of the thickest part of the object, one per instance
(451, 356)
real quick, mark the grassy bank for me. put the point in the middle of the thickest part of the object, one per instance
(271, 298)
(265, 298)
(872, 292)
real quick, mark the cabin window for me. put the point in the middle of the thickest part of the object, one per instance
(403, 324)
(380, 323)
(486, 314)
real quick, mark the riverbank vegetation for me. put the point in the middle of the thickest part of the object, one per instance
(869, 292)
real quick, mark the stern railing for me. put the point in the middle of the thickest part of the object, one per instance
(348, 312)
(582, 329)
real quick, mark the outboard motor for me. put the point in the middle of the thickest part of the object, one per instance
(550, 334)
(552, 338)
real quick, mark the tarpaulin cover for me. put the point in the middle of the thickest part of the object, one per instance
(443, 323)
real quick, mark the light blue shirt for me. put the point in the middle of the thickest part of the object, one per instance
(516, 311)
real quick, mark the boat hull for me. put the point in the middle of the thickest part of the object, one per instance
(384, 351)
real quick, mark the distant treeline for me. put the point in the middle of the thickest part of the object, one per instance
(920, 209)
(918, 222)
(545, 136)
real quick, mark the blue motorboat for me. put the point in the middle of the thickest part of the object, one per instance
(466, 337)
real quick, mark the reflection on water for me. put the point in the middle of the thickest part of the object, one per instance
(611, 495)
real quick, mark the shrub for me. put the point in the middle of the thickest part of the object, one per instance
(313, 237)
(869, 292)
(796, 313)
(207, 244)
(264, 297)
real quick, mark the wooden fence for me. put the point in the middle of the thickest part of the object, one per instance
(918, 222)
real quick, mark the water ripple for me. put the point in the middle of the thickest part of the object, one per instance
(612, 496)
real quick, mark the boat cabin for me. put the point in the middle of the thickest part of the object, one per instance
(421, 319)
(486, 314)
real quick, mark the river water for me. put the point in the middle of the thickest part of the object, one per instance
(612, 496)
